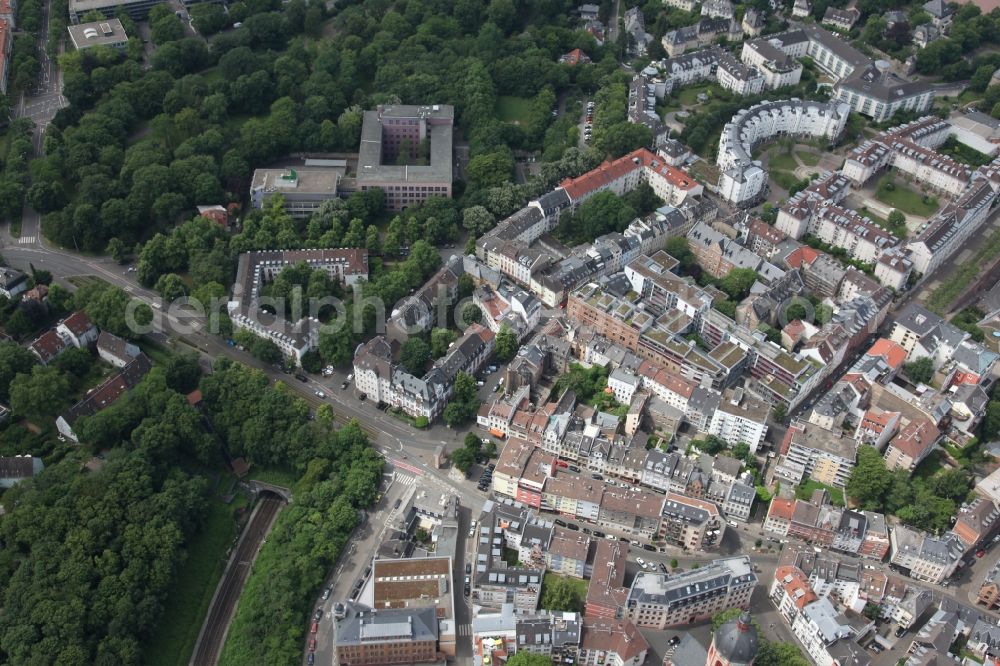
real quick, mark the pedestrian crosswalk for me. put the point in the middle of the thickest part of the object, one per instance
(26, 240)
(465, 630)
(405, 479)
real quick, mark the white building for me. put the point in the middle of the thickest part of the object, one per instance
(742, 181)
(740, 419)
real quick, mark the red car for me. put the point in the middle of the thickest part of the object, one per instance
(980, 553)
(312, 645)
(314, 628)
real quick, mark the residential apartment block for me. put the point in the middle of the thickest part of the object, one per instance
(255, 269)
(658, 601)
(742, 181)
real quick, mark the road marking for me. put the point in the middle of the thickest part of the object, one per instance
(465, 630)
(26, 240)
(406, 479)
(409, 468)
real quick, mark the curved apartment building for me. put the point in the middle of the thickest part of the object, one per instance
(742, 180)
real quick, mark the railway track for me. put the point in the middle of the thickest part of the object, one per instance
(220, 613)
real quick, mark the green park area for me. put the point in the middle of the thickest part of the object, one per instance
(786, 161)
(513, 109)
(785, 179)
(898, 195)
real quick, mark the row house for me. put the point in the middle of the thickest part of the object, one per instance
(928, 558)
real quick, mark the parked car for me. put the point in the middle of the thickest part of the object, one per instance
(368, 571)
(312, 644)
(574, 468)
(586, 530)
(314, 628)
(343, 387)
(641, 562)
(318, 615)
(339, 610)
(571, 526)
(598, 534)
(326, 592)
(648, 547)
(560, 523)
(468, 567)
(596, 477)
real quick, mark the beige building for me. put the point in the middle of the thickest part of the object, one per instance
(658, 601)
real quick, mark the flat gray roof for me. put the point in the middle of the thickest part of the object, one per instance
(98, 33)
(440, 119)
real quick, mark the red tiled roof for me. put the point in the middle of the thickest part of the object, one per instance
(78, 323)
(781, 508)
(575, 57)
(919, 435)
(802, 255)
(773, 235)
(194, 398)
(796, 585)
(48, 345)
(794, 328)
(609, 172)
(618, 636)
(893, 354)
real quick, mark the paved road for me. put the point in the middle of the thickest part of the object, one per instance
(213, 632)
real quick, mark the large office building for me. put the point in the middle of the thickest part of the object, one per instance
(108, 33)
(378, 637)
(136, 9)
(303, 189)
(406, 151)
(658, 601)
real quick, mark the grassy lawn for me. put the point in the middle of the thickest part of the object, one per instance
(899, 196)
(809, 159)
(805, 491)
(579, 585)
(783, 161)
(784, 179)
(197, 578)
(513, 109)
(929, 466)
(157, 353)
(689, 96)
(274, 476)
